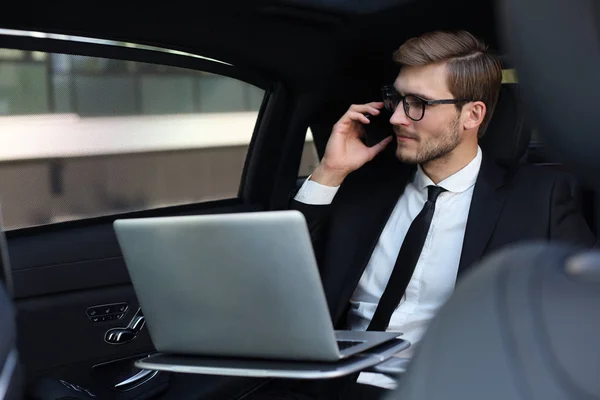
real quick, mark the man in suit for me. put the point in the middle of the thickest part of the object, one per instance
(392, 234)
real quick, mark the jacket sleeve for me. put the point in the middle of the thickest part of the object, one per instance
(317, 219)
(567, 223)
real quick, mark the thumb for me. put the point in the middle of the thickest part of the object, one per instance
(378, 148)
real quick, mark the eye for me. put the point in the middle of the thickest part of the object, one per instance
(412, 101)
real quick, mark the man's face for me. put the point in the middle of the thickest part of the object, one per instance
(439, 132)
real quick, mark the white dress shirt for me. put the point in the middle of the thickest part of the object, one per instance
(434, 277)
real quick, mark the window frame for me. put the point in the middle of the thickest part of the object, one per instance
(139, 52)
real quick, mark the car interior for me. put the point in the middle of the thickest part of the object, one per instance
(70, 315)
(11, 384)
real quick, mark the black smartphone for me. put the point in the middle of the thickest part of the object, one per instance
(378, 129)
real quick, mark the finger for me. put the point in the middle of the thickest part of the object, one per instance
(357, 116)
(378, 148)
(368, 111)
(376, 104)
(371, 108)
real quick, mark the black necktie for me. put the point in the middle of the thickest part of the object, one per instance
(405, 263)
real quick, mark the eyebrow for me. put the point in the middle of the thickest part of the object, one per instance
(421, 95)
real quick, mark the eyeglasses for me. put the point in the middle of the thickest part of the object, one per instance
(414, 106)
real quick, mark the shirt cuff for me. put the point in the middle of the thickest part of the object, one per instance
(314, 193)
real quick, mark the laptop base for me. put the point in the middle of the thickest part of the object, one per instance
(256, 368)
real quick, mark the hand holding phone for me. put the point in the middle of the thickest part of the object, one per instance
(379, 128)
(350, 146)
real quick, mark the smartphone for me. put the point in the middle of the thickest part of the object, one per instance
(378, 129)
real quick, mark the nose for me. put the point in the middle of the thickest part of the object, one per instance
(399, 117)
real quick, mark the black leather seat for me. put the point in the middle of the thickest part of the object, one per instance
(508, 135)
(523, 325)
(11, 376)
(10, 370)
(508, 138)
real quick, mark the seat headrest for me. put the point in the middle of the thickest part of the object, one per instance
(522, 325)
(508, 135)
(554, 45)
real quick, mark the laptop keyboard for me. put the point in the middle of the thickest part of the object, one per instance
(346, 344)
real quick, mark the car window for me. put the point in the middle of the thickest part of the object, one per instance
(509, 76)
(310, 158)
(86, 136)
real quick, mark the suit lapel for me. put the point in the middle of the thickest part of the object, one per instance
(486, 205)
(370, 215)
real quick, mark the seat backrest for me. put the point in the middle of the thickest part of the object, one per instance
(523, 325)
(10, 370)
(10, 378)
(508, 134)
(507, 140)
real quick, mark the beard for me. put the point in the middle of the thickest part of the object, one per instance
(436, 146)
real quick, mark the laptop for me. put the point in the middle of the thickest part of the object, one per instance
(235, 285)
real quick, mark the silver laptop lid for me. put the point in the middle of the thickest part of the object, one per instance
(232, 284)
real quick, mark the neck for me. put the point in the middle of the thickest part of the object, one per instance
(441, 168)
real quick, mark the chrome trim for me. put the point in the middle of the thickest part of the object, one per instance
(137, 323)
(83, 39)
(136, 380)
(128, 358)
(113, 335)
(8, 371)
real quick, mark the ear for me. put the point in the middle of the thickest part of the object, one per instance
(473, 114)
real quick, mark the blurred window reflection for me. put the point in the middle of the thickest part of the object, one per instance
(84, 136)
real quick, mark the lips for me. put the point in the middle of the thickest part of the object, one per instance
(404, 138)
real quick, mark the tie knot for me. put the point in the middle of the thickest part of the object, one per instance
(434, 192)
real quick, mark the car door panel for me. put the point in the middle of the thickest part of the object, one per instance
(59, 274)
(60, 270)
(47, 323)
(60, 278)
(58, 260)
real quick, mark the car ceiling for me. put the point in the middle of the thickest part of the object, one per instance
(304, 43)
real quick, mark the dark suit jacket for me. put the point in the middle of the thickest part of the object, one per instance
(508, 205)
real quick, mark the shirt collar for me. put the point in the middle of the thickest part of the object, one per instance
(456, 183)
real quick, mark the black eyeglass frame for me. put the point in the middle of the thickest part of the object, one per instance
(389, 91)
